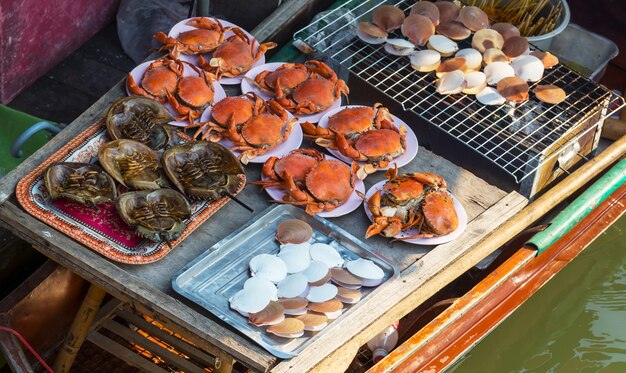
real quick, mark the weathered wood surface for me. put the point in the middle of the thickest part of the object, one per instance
(486, 205)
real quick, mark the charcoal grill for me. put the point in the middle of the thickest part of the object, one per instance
(532, 142)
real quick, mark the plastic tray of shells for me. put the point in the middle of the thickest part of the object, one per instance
(216, 279)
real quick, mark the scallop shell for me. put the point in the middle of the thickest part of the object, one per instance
(294, 246)
(426, 9)
(513, 89)
(366, 269)
(515, 46)
(273, 314)
(326, 254)
(313, 322)
(528, 68)
(331, 308)
(288, 328)
(548, 59)
(343, 277)
(261, 285)
(449, 84)
(443, 45)
(550, 94)
(317, 273)
(295, 260)
(492, 55)
(496, 71)
(487, 38)
(448, 11)
(292, 286)
(247, 301)
(454, 30)
(293, 231)
(425, 60)
(418, 29)
(348, 296)
(269, 267)
(475, 81)
(399, 47)
(473, 58)
(473, 18)
(322, 293)
(294, 306)
(451, 64)
(490, 96)
(371, 34)
(388, 17)
(505, 29)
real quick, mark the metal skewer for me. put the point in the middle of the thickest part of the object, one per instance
(240, 202)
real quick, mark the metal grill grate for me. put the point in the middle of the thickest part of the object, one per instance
(518, 139)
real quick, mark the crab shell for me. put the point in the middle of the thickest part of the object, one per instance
(297, 163)
(439, 213)
(194, 92)
(401, 190)
(163, 224)
(238, 109)
(160, 77)
(319, 92)
(380, 145)
(212, 171)
(288, 76)
(112, 155)
(208, 36)
(355, 120)
(98, 190)
(330, 181)
(141, 119)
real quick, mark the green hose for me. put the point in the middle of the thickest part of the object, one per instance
(582, 206)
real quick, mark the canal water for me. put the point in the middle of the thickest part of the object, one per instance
(575, 323)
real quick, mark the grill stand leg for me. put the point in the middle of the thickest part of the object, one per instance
(78, 330)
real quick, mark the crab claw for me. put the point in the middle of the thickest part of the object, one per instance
(347, 149)
(365, 170)
(379, 223)
(374, 204)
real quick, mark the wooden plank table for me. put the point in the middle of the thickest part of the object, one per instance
(424, 270)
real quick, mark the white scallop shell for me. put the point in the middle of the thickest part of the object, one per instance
(333, 315)
(426, 58)
(497, 71)
(326, 254)
(322, 293)
(451, 83)
(368, 39)
(269, 267)
(295, 260)
(294, 246)
(528, 68)
(365, 269)
(247, 301)
(399, 47)
(442, 45)
(261, 285)
(473, 58)
(490, 96)
(475, 81)
(297, 312)
(316, 271)
(292, 286)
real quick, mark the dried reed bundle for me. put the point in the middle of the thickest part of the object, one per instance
(525, 14)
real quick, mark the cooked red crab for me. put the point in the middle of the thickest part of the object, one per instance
(208, 36)
(235, 56)
(268, 127)
(232, 110)
(317, 92)
(363, 134)
(310, 180)
(192, 95)
(414, 200)
(161, 76)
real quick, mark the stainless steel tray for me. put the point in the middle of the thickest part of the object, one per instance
(215, 276)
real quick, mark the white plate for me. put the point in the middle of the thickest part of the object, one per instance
(411, 140)
(460, 211)
(193, 58)
(247, 86)
(350, 205)
(137, 74)
(293, 141)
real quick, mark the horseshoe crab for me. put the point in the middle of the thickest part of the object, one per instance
(157, 215)
(141, 119)
(132, 164)
(84, 183)
(203, 170)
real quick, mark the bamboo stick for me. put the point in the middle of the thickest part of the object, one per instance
(78, 330)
